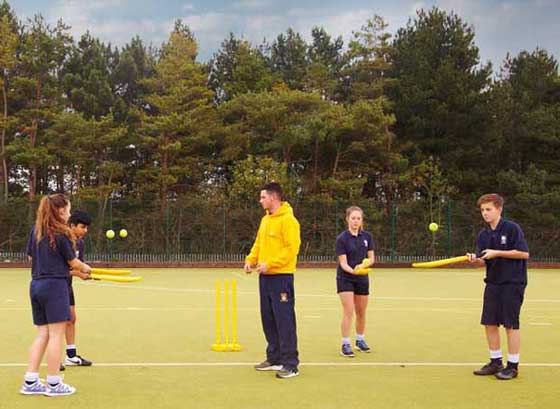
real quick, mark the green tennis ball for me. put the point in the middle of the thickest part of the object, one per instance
(123, 233)
(433, 227)
(110, 234)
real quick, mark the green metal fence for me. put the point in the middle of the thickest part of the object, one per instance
(137, 258)
(207, 229)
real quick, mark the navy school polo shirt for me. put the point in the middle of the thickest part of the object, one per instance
(80, 245)
(355, 248)
(507, 236)
(49, 263)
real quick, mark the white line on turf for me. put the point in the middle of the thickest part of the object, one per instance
(225, 364)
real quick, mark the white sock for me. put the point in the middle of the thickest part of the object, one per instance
(31, 376)
(346, 341)
(495, 354)
(53, 379)
(71, 346)
(513, 358)
(360, 337)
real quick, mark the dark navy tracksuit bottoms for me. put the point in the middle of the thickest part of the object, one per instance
(279, 318)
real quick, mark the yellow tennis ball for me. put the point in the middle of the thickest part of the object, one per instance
(433, 227)
(123, 233)
(110, 234)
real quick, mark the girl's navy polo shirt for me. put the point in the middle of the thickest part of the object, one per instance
(355, 248)
(48, 262)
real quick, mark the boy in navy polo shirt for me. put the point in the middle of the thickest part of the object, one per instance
(502, 248)
(79, 223)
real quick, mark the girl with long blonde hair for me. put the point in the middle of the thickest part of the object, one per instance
(355, 250)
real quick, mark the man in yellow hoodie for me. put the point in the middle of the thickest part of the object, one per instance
(274, 254)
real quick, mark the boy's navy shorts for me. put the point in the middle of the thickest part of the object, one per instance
(358, 287)
(71, 295)
(502, 304)
(50, 301)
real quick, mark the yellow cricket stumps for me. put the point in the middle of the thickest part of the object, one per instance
(229, 318)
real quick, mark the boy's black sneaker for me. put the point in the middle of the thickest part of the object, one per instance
(267, 366)
(507, 374)
(490, 368)
(76, 361)
(287, 373)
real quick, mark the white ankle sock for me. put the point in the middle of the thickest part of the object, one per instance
(53, 379)
(31, 376)
(513, 358)
(495, 354)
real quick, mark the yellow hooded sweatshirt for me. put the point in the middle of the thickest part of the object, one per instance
(277, 243)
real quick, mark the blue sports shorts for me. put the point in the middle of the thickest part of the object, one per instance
(358, 287)
(50, 301)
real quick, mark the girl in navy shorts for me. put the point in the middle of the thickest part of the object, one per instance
(52, 249)
(352, 247)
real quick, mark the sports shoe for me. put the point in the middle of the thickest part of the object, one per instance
(267, 366)
(77, 361)
(60, 389)
(346, 350)
(506, 374)
(36, 388)
(362, 346)
(287, 373)
(489, 369)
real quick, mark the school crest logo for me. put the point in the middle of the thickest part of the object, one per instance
(503, 240)
(283, 297)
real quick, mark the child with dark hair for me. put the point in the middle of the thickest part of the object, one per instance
(79, 223)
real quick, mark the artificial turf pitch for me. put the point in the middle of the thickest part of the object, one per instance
(150, 343)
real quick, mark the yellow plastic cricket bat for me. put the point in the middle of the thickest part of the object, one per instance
(441, 263)
(116, 278)
(110, 271)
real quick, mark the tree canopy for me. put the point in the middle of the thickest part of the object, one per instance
(414, 125)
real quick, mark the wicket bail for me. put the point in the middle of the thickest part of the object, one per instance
(229, 319)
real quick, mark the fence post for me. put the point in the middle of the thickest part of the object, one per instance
(225, 230)
(393, 232)
(167, 230)
(109, 241)
(336, 218)
(449, 246)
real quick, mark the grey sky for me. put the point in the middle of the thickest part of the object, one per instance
(501, 26)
